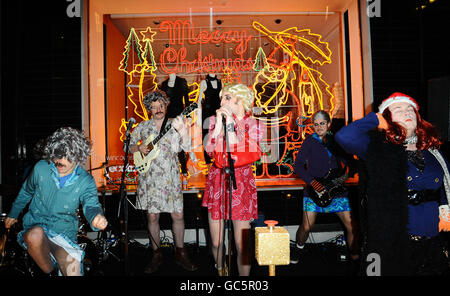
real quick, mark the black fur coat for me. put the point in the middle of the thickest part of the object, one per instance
(385, 205)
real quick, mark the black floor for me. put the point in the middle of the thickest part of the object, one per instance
(323, 259)
(111, 277)
(323, 266)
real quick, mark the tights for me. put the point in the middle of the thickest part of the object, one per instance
(242, 242)
(349, 222)
(177, 229)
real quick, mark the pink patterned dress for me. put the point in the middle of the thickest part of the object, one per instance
(244, 205)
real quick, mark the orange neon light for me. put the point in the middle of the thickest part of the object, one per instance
(276, 82)
(182, 30)
(276, 76)
(174, 61)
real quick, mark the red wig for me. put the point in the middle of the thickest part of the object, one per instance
(427, 134)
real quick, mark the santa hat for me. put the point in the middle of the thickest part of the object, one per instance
(396, 98)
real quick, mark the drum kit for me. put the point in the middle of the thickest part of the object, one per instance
(13, 258)
(99, 249)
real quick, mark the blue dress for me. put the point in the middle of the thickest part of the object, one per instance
(53, 204)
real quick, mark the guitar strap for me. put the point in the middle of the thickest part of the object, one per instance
(336, 156)
(163, 124)
(338, 164)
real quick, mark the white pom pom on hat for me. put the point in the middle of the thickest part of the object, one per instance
(396, 98)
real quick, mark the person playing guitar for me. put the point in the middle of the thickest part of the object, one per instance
(319, 164)
(159, 188)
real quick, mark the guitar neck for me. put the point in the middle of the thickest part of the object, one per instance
(161, 134)
(186, 111)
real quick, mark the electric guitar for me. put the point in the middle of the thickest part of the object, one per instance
(142, 162)
(334, 184)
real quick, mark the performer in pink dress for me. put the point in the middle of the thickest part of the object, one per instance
(236, 102)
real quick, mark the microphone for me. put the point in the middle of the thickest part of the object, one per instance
(130, 125)
(230, 127)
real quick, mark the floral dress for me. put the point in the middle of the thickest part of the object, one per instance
(159, 189)
(244, 205)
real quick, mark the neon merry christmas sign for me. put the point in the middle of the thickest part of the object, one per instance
(182, 32)
(294, 78)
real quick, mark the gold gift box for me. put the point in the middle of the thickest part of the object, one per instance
(272, 245)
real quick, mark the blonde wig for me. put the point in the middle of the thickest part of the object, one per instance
(241, 92)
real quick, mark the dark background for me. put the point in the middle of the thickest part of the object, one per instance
(408, 48)
(40, 78)
(41, 69)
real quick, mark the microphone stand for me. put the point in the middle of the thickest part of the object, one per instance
(232, 181)
(124, 200)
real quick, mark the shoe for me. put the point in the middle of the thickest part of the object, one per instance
(156, 262)
(222, 271)
(295, 254)
(182, 259)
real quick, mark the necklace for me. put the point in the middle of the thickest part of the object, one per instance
(411, 140)
(416, 158)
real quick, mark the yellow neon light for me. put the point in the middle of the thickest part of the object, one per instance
(287, 39)
(148, 34)
(275, 83)
(132, 46)
(271, 76)
(144, 69)
(278, 75)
